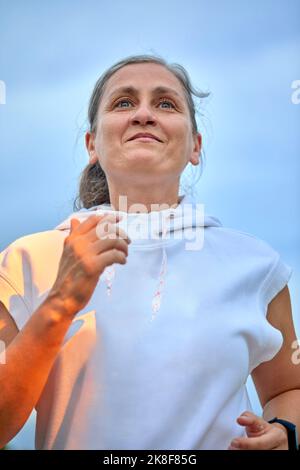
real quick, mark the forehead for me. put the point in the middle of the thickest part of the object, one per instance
(143, 76)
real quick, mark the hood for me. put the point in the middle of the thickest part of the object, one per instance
(152, 225)
(156, 229)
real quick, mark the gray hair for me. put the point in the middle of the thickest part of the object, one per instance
(93, 188)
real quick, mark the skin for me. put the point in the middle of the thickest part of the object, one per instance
(260, 434)
(145, 172)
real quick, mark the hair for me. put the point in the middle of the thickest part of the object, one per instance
(93, 187)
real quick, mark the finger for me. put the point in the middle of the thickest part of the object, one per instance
(108, 258)
(94, 219)
(254, 424)
(266, 442)
(248, 418)
(249, 414)
(105, 229)
(87, 224)
(73, 224)
(100, 246)
(113, 217)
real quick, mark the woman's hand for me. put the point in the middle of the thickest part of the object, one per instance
(261, 434)
(92, 245)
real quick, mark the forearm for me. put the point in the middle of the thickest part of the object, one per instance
(29, 359)
(285, 406)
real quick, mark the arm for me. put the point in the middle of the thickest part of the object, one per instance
(278, 386)
(30, 355)
(278, 381)
(31, 352)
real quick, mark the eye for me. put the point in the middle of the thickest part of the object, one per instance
(168, 102)
(120, 103)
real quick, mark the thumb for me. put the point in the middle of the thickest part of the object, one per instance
(73, 224)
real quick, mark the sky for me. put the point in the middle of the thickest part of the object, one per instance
(246, 54)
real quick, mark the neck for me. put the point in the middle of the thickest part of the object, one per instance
(142, 200)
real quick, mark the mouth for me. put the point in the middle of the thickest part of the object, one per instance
(145, 138)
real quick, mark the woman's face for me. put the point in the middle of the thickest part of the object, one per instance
(139, 99)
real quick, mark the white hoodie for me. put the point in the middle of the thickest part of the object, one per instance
(159, 357)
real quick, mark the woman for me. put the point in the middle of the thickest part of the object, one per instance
(121, 331)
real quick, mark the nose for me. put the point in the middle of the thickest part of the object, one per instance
(143, 115)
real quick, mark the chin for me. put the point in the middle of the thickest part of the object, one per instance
(142, 155)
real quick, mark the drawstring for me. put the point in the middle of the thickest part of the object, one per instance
(109, 275)
(156, 301)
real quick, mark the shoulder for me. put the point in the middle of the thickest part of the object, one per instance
(35, 242)
(235, 233)
(30, 254)
(28, 267)
(264, 265)
(240, 243)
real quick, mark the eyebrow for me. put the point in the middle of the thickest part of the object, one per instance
(130, 90)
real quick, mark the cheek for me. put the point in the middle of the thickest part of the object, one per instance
(182, 136)
(179, 128)
(106, 130)
(108, 135)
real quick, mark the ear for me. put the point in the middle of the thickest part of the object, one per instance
(90, 145)
(195, 156)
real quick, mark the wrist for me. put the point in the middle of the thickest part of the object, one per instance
(291, 431)
(50, 322)
(283, 428)
(59, 308)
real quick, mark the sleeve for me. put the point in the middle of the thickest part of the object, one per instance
(273, 276)
(276, 279)
(15, 283)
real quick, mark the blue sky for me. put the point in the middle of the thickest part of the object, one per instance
(247, 54)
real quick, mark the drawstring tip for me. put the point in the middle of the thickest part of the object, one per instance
(109, 277)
